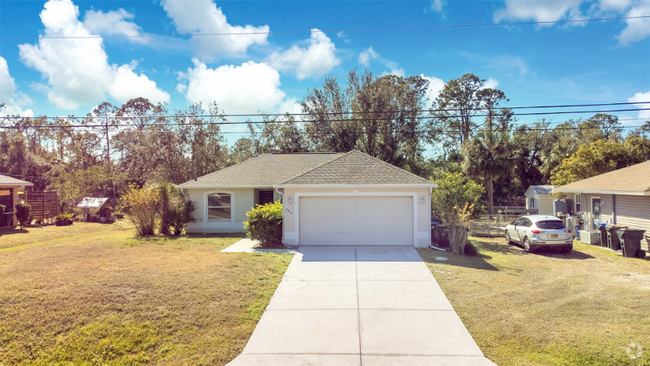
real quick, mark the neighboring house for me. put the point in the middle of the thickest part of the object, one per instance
(328, 199)
(9, 197)
(620, 197)
(539, 200)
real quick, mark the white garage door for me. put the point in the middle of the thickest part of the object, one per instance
(356, 221)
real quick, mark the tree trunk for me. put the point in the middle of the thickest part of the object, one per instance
(490, 183)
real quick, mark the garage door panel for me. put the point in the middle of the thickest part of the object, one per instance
(356, 221)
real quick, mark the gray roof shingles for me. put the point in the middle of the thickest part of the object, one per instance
(349, 168)
(634, 178)
(262, 171)
(356, 167)
(9, 181)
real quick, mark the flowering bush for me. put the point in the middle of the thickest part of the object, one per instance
(265, 224)
(142, 204)
(63, 220)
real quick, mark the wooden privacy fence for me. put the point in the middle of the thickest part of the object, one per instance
(45, 205)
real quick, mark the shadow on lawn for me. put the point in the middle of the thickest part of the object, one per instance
(12, 230)
(516, 249)
(451, 259)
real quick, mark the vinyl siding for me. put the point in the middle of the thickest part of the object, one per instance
(634, 212)
(631, 211)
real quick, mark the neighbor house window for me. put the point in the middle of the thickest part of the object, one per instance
(531, 203)
(219, 206)
(578, 203)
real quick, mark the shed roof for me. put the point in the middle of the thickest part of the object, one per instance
(7, 181)
(547, 189)
(634, 180)
(92, 202)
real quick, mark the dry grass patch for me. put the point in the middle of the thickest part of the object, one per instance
(107, 298)
(584, 308)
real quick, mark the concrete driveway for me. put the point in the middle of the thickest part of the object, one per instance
(359, 306)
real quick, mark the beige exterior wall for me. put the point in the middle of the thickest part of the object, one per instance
(242, 202)
(15, 201)
(545, 204)
(421, 205)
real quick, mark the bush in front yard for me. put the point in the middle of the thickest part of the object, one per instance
(63, 220)
(265, 224)
(142, 204)
(22, 214)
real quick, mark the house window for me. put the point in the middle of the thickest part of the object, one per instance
(219, 207)
(578, 203)
(531, 203)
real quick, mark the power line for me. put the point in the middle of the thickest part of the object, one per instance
(334, 30)
(289, 121)
(342, 112)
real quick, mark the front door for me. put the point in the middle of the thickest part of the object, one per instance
(264, 197)
(595, 211)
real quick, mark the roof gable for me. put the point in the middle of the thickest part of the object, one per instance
(356, 168)
(262, 171)
(546, 189)
(632, 179)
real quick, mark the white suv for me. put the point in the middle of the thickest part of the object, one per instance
(539, 230)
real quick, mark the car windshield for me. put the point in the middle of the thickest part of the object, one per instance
(550, 225)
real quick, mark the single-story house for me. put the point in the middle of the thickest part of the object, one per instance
(9, 198)
(620, 197)
(539, 200)
(328, 199)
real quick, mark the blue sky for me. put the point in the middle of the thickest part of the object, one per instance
(565, 63)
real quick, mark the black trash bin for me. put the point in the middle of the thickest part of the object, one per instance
(631, 242)
(602, 233)
(613, 241)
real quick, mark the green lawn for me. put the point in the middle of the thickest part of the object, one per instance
(585, 308)
(94, 294)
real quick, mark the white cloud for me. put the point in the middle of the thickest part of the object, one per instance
(343, 36)
(77, 69)
(397, 72)
(203, 16)
(251, 87)
(113, 23)
(366, 55)
(8, 96)
(317, 59)
(438, 5)
(637, 29)
(619, 5)
(490, 83)
(435, 87)
(540, 11)
(642, 97)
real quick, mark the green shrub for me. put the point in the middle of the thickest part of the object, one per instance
(63, 220)
(265, 224)
(165, 207)
(22, 214)
(180, 212)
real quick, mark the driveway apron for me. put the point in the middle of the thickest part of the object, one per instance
(358, 306)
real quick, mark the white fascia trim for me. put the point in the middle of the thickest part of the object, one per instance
(9, 185)
(224, 187)
(595, 191)
(296, 217)
(302, 186)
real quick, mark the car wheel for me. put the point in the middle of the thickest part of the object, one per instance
(527, 246)
(508, 240)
